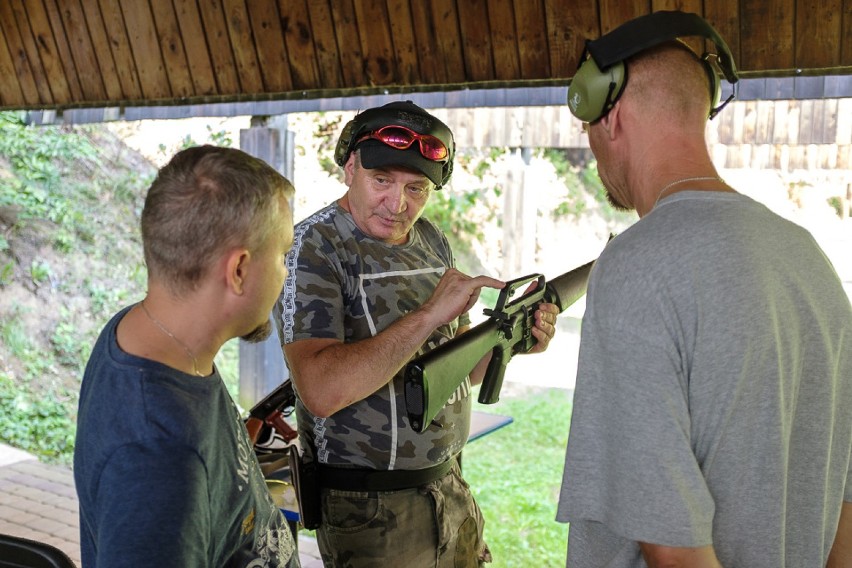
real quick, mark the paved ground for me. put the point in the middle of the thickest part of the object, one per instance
(38, 501)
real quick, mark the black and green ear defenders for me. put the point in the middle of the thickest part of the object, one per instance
(602, 74)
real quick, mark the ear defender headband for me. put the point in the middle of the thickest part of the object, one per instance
(602, 74)
(404, 114)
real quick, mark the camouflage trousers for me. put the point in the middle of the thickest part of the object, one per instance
(436, 525)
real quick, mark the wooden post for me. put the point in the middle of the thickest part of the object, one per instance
(262, 365)
(519, 215)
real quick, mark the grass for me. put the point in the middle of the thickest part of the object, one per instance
(515, 475)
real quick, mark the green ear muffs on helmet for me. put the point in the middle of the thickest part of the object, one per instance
(602, 74)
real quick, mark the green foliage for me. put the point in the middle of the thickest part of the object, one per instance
(104, 299)
(31, 419)
(515, 474)
(62, 189)
(480, 164)
(228, 363)
(37, 423)
(7, 270)
(40, 271)
(325, 134)
(575, 184)
(583, 182)
(71, 348)
(38, 157)
(835, 202)
(450, 210)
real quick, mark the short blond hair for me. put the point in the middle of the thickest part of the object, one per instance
(670, 80)
(206, 200)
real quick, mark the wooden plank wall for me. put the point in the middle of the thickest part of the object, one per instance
(784, 135)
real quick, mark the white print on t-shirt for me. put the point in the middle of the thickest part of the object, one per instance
(274, 547)
(461, 393)
(244, 456)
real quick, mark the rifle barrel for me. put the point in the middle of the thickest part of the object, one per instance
(566, 289)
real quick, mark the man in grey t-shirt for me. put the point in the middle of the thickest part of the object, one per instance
(712, 421)
(373, 284)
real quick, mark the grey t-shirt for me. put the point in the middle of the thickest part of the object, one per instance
(345, 285)
(714, 391)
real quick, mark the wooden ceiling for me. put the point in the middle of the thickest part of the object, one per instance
(59, 54)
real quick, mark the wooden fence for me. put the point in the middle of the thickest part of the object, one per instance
(782, 134)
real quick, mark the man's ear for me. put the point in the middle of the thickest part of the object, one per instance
(611, 121)
(349, 169)
(236, 268)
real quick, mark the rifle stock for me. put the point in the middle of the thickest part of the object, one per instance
(422, 393)
(431, 379)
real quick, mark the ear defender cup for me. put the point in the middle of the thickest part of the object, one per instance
(593, 92)
(341, 151)
(715, 83)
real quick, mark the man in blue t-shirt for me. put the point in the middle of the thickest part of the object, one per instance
(164, 470)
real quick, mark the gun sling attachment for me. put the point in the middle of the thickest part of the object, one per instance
(432, 378)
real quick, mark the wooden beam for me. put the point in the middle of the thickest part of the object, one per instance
(404, 42)
(63, 50)
(82, 50)
(818, 33)
(532, 39)
(767, 34)
(122, 54)
(14, 11)
(569, 25)
(199, 62)
(501, 19)
(325, 44)
(245, 56)
(219, 46)
(376, 46)
(145, 43)
(173, 50)
(432, 68)
(295, 22)
(445, 16)
(103, 49)
(476, 40)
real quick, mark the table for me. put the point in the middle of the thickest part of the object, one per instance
(484, 423)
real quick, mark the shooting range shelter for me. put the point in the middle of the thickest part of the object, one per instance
(76, 61)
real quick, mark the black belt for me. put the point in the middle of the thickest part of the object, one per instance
(362, 479)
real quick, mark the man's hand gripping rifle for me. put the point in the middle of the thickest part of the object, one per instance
(432, 378)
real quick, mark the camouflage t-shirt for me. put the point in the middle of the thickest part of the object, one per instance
(345, 285)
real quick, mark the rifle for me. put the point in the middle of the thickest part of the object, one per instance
(270, 411)
(432, 378)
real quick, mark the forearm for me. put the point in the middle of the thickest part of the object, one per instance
(341, 374)
(657, 556)
(841, 551)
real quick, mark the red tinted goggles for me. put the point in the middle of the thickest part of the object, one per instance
(402, 138)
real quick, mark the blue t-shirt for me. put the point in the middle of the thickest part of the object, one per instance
(165, 472)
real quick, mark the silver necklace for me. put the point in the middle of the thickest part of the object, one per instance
(172, 335)
(684, 180)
